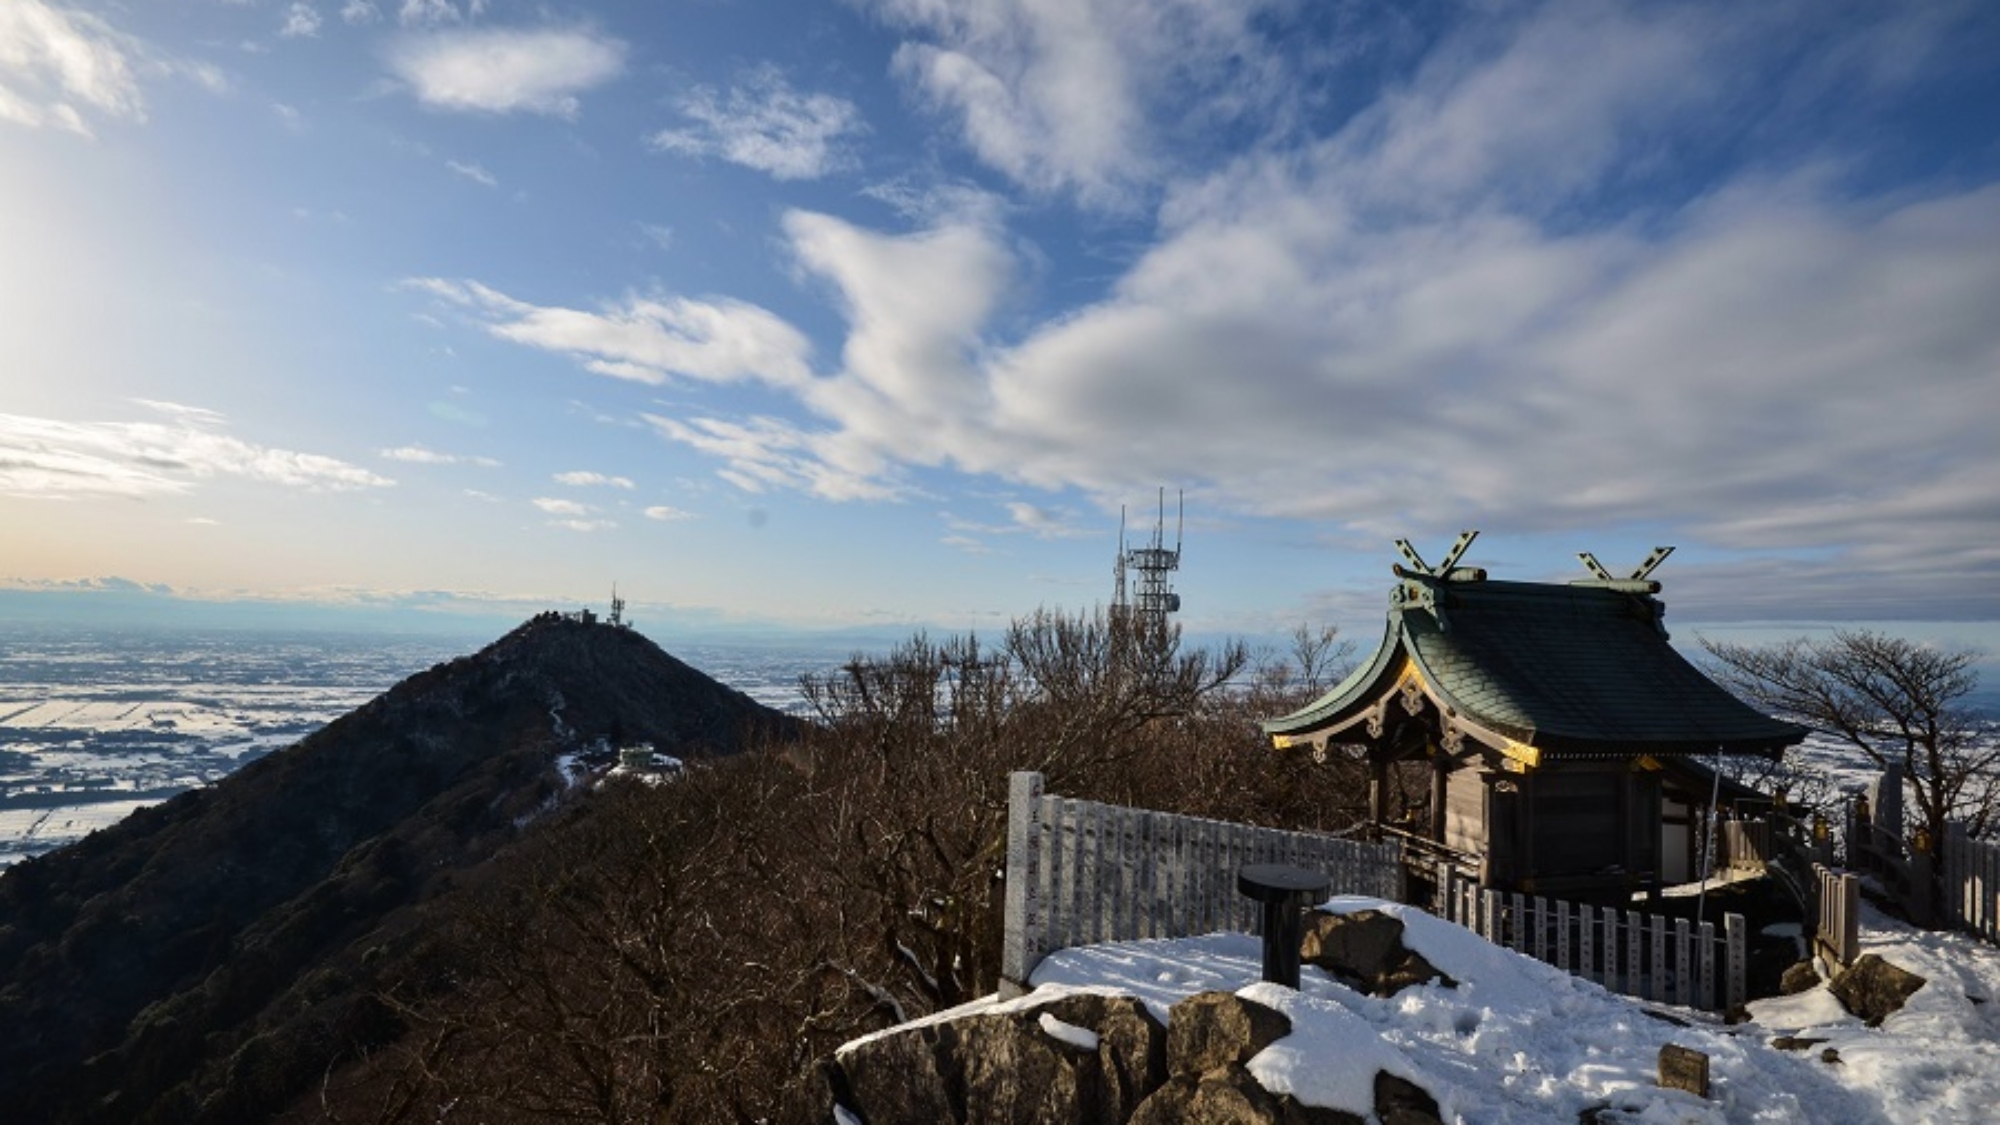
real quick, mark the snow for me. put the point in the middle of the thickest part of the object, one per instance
(1519, 1041)
(1082, 1038)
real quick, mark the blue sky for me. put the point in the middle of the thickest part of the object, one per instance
(875, 313)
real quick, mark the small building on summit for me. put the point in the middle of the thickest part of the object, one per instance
(1568, 743)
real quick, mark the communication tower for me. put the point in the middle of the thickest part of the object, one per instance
(617, 607)
(1145, 593)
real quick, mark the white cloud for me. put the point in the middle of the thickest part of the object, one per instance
(302, 21)
(419, 455)
(1078, 96)
(357, 12)
(1448, 308)
(474, 172)
(663, 512)
(657, 236)
(584, 479)
(507, 70)
(558, 507)
(644, 339)
(432, 13)
(584, 526)
(42, 457)
(57, 67)
(763, 123)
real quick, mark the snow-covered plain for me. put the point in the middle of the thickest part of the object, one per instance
(1518, 1041)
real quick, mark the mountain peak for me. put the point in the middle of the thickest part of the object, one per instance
(203, 910)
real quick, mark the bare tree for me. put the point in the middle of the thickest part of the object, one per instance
(1899, 702)
(1321, 655)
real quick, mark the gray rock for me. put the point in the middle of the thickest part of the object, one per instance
(1212, 1030)
(1798, 978)
(896, 1078)
(1006, 1069)
(1874, 989)
(1399, 1101)
(1228, 1096)
(1365, 951)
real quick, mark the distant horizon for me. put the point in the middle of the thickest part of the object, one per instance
(133, 607)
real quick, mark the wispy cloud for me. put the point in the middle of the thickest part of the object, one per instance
(664, 512)
(474, 172)
(763, 123)
(507, 70)
(357, 12)
(58, 66)
(583, 479)
(302, 21)
(1081, 97)
(433, 13)
(644, 339)
(419, 455)
(557, 506)
(48, 458)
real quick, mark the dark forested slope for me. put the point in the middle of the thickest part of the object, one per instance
(203, 960)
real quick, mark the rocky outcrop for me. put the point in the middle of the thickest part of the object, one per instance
(1364, 950)
(1874, 989)
(1080, 1057)
(1090, 1059)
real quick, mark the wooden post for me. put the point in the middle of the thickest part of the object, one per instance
(1022, 940)
(1683, 1069)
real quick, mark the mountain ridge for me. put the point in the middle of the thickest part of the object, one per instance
(136, 958)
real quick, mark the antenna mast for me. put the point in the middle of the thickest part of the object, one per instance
(1151, 567)
(617, 607)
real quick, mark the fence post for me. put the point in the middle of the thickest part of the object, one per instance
(1022, 939)
(1737, 936)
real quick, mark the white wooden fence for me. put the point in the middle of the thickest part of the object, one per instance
(1668, 960)
(1837, 900)
(1972, 884)
(1079, 872)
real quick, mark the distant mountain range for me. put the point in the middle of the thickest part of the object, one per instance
(209, 958)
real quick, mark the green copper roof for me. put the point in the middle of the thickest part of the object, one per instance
(1577, 669)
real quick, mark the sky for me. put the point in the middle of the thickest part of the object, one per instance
(877, 313)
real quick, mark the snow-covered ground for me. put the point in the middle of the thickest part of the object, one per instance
(1519, 1042)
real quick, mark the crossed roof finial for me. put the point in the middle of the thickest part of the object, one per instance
(1644, 571)
(1451, 557)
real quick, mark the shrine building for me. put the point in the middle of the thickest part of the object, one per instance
(1571, 749)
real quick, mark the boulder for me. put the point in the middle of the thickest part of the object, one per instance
(894, 1077)
(1399, 1101)
(1078, 1058)
(1798, 978)
(1874, 989)
(1364, 950)
(1230, 1096)
(1210, 1031)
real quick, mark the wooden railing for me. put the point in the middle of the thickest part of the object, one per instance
(1972, 884)
(1649, 956)
(1837, 915)
(1079, 872)
(1746, 845)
